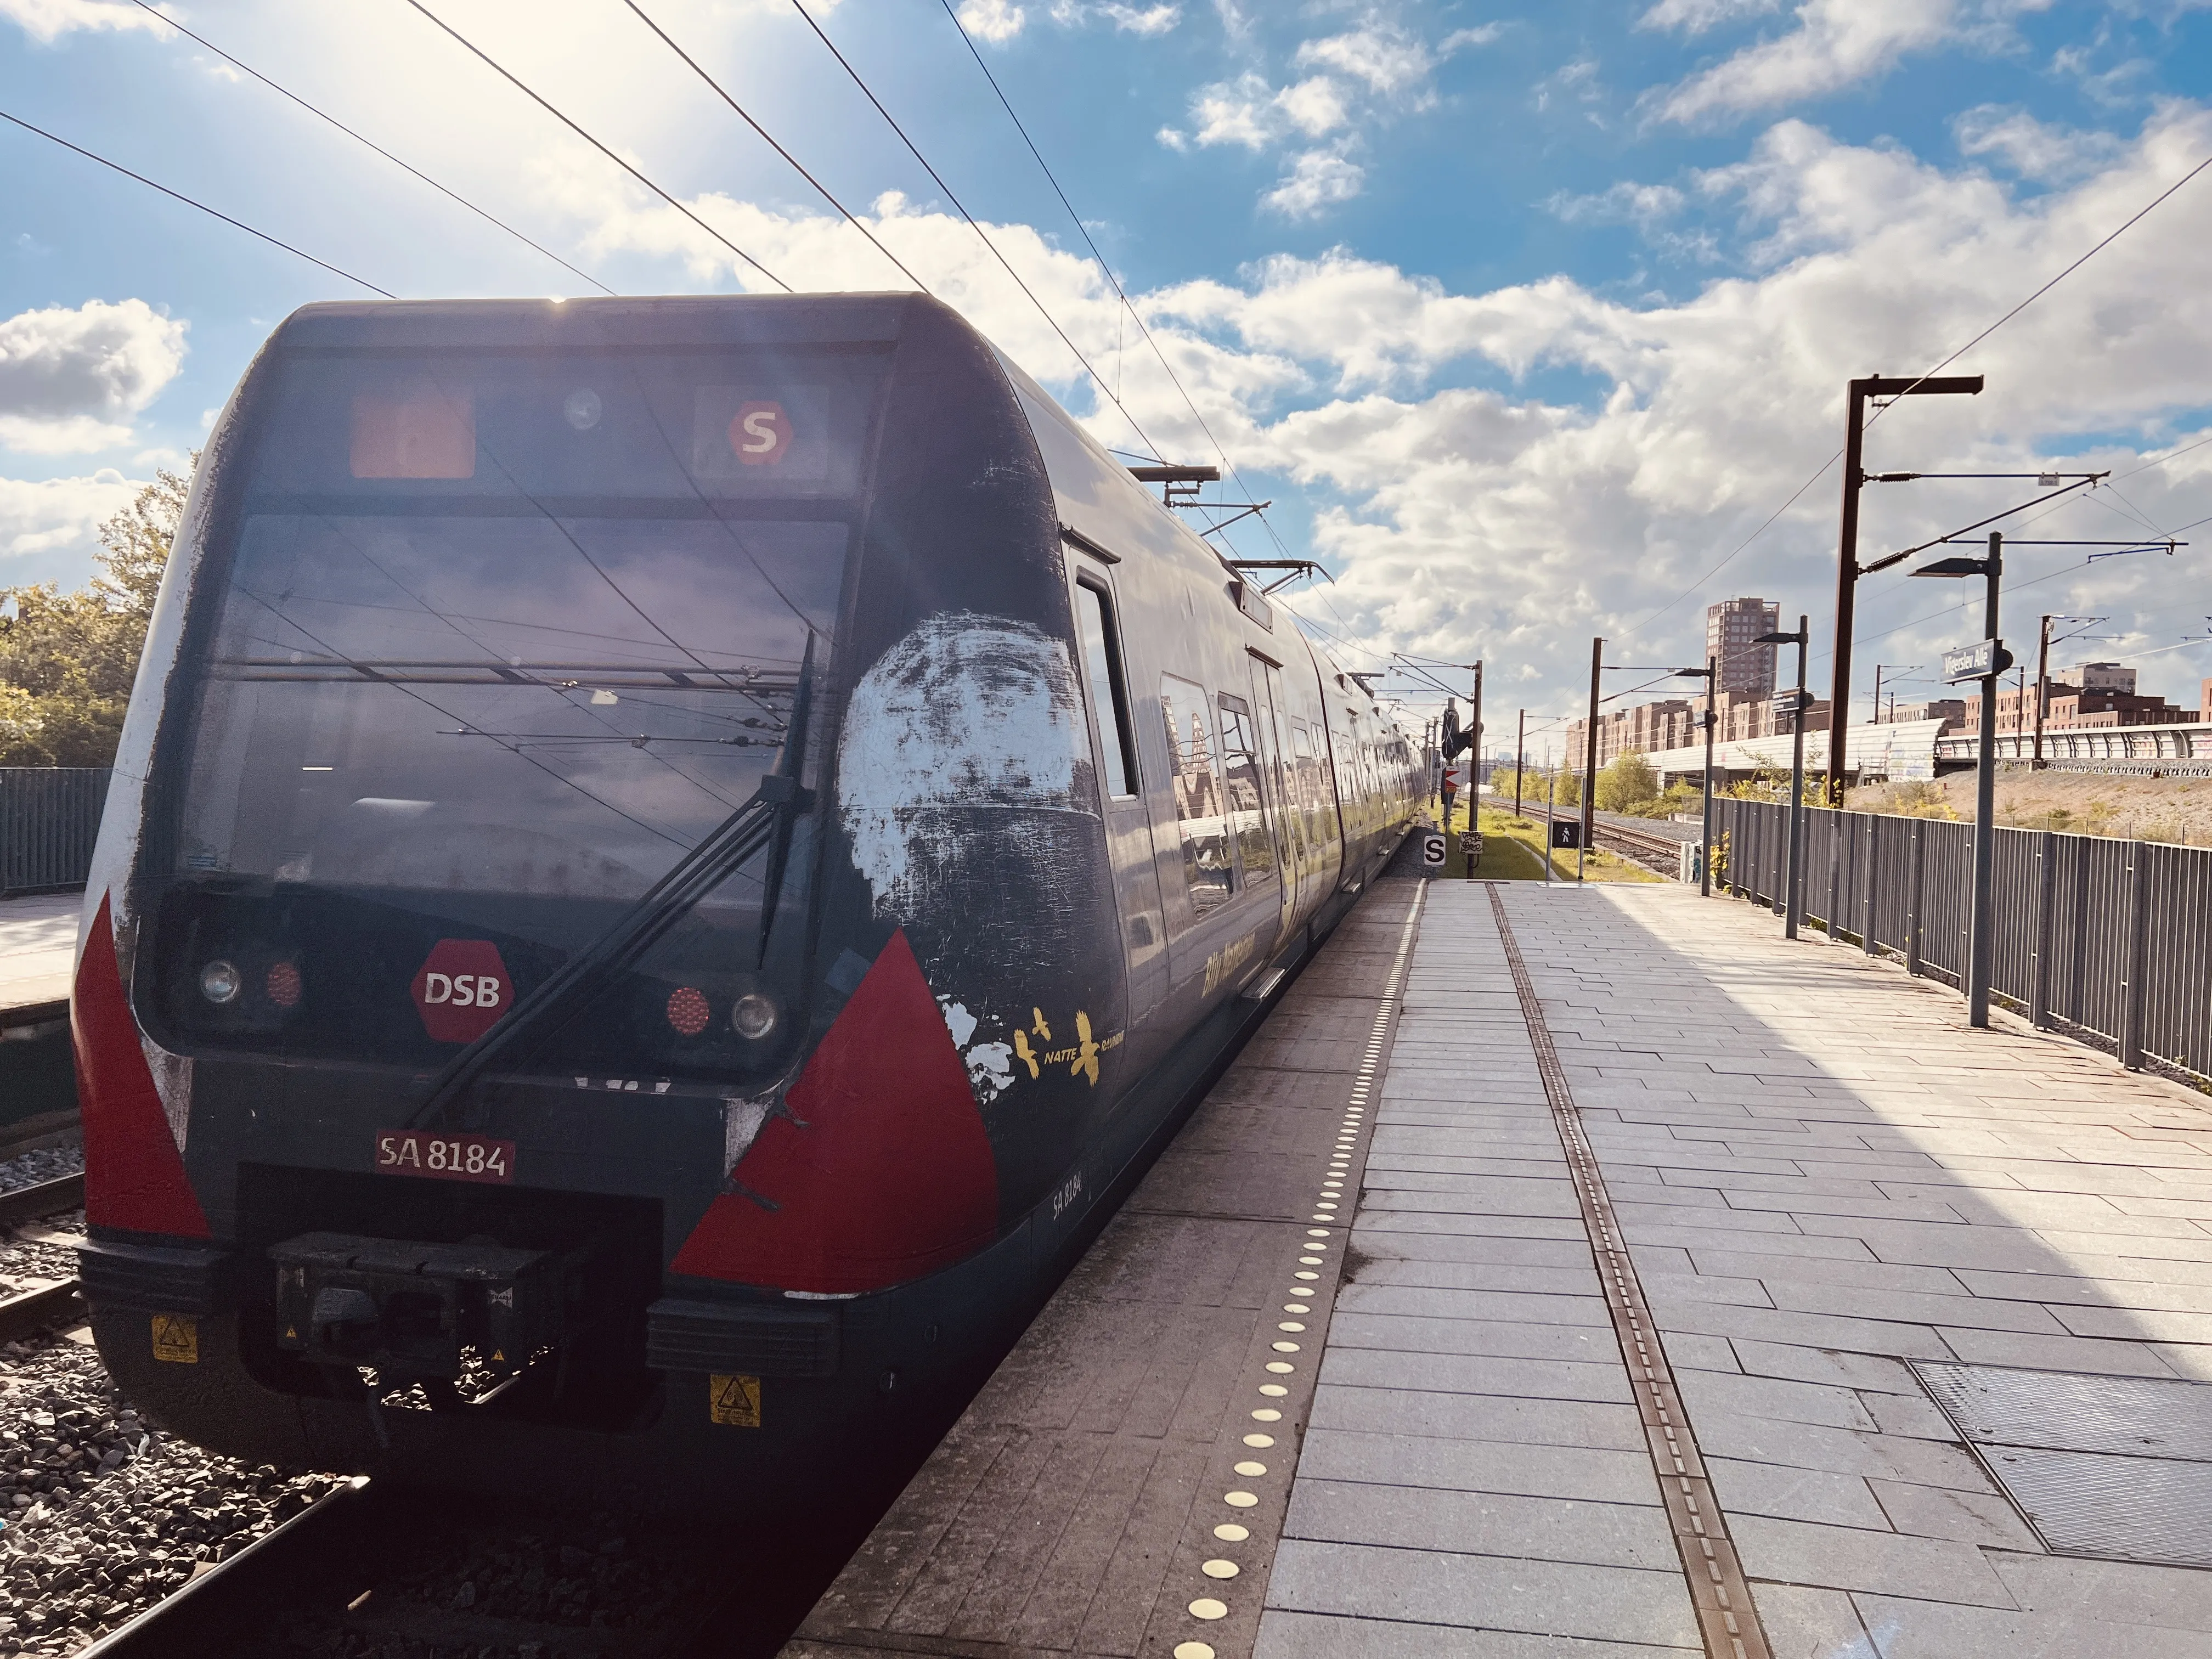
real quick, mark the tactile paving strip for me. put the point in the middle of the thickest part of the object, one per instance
(2104, 1466)
(1726, 1617)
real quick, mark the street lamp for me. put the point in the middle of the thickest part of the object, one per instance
(1793, 879)
(1985, 663)
(1711, 674)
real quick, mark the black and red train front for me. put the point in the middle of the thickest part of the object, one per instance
(485, 623)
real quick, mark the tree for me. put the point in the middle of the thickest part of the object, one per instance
(1627, 782)
(67, 659)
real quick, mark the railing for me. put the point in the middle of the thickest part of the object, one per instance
(49, 819)
(2108, 941)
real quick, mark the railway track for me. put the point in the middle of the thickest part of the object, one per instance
(366, 1571)
(1653, 850)
(42, 1305)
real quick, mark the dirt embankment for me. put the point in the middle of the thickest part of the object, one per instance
(2176, 810)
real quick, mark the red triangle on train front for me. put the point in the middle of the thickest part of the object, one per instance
(878, 1167)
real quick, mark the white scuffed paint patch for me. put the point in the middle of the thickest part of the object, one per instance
(741, 1122)
(172, 1083)
(966, 711)
(957, 1020)
(990, 1070)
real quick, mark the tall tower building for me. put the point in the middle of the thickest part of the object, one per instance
(1746, 669)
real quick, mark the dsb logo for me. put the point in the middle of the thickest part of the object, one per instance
(461, 989)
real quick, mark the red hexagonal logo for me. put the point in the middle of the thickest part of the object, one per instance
(462, 989)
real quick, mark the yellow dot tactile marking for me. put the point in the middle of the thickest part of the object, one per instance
(1274, 1390)
(1259, 1440)
(1251, 1469)
(1266, 1414)
(1229, 1533)
(1217, 1568)
(1280, 1367)
(1206, 1607)
(1296, 1307)
(1193, 1651)
(1309, 1262)
(1288, 1325)
(1240, 1500)
(1284, 1347)
(1317, 1232)
(1307, 1275)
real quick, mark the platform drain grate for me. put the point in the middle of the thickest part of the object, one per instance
(2105, 1466)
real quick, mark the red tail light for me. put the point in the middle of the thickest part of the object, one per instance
(878, 1171)
(134, 1177)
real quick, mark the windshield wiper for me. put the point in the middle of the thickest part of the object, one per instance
(763, 822)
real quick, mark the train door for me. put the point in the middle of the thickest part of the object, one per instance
(1120, 791)
(1290, 836)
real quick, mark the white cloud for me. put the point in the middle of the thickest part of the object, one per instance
(1835, 44)
(1142, 20)
(1460, 40)
(72, 381)
(49, 20)
(995, 20)
(1505, 472)
(1696, 16)
(2033, 149)
(1625, 203)
(49, 518)
(1384, 57)
(1250, 112)
(1317, 181)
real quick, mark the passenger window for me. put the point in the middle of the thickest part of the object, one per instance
(1313, 794)
(1198, 796)
(1110, 699)
(1248, 816)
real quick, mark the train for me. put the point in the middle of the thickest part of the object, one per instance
(668, 860)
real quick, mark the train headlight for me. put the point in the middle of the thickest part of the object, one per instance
(754, 1016)
(219, 982)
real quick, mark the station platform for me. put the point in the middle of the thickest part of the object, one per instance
(1704, 1293)
(38, 946)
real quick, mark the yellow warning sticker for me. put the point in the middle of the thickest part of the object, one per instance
(177, 1339)
(735, 1401)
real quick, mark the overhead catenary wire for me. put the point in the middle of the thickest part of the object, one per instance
(769, 139)
(1112, 394)
(324, 115)
(1952, 358)
(213, 213)
(1113, 282)
(521, 87)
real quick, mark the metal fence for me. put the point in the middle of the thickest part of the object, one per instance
(49, 819)
(2109, 941)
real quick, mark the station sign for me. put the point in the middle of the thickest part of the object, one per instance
(1432, 849)
(1975, 662)
(1785, 702)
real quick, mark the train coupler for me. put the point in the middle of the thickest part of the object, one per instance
(408, 1309)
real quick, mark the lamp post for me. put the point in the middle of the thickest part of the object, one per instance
(1520, 759)
(1793, 880)
(1711, 674)
(1986, 662)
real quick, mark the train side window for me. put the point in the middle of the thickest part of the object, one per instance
(1247, 811)
(1196, 765)
(1109, 698)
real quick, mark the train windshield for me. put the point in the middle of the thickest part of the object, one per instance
(495, 644)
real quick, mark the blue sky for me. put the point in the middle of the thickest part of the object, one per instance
(1525, 318)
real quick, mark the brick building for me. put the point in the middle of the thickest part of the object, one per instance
(1746, 669)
